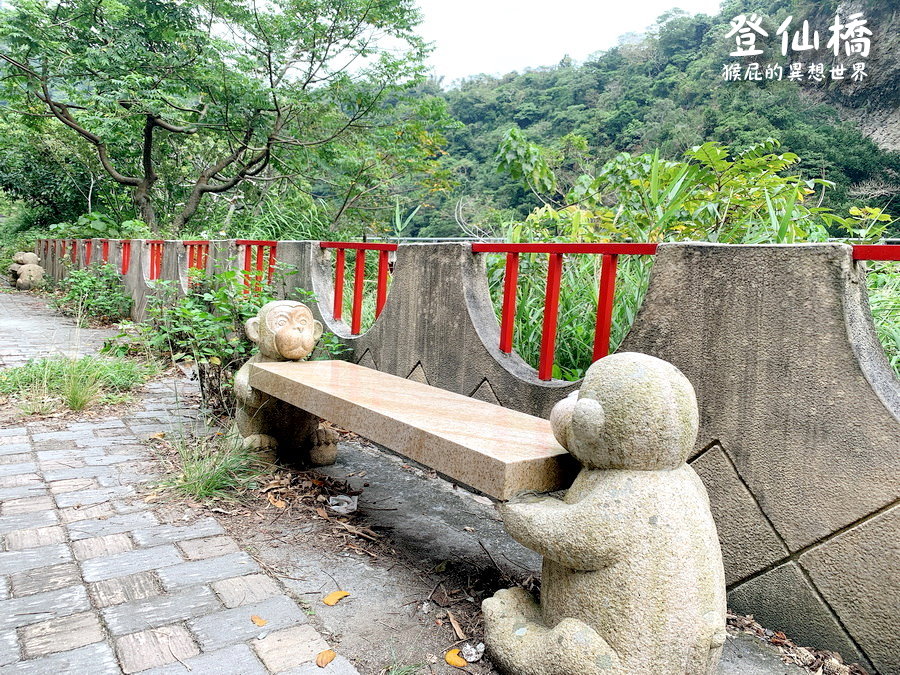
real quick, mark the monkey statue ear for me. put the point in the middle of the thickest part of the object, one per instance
(317, 329)
(252, 329)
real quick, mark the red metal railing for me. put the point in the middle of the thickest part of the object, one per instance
(126, 255)
(156, 256)
(197, 254)
(88, 244)
(876, 252)
(74, 252)
(359, 273)
(603, 324)
(104, 250)
(258, 260)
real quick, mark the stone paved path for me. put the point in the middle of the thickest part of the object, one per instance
(95, 580)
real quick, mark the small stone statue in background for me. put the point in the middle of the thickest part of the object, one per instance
(632, 580)
(25, 273)
(284, 330)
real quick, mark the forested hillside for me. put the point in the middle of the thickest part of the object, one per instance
(664, 90)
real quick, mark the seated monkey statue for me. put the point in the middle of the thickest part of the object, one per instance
(632, 578)
(284, 330)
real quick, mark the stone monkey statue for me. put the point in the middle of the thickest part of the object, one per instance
(284, 330)
(632, 579)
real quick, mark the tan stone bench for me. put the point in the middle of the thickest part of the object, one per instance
(498, 451)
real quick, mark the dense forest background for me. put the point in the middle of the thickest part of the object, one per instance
(664, 90)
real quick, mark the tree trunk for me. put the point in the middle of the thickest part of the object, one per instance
(144, 205)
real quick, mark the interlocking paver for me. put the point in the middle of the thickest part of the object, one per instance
(32, 558)
(9, 647)
(26, 521)
(113, 525)
(27, 505)
(124, 589)
(109, 544)
(44, 579)
(88, 497)
(290, 647)
(58, 487)
(138, 560)
(18, 612)
(17, 458)
(168, 534)
(61, 634)
(96, 659)
(209, 547)
(35, 537)
(155, 647)
(194, 601)
(340, 666)
(235, 625)
(206, 571)
(233, 660)
(245, 590)
(73, 514)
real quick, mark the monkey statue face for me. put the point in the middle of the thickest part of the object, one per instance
(284, 330)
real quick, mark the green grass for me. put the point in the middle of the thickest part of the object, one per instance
(48, 385)
(214, 467)
(883, 281)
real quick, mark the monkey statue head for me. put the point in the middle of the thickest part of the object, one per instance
(284, 330)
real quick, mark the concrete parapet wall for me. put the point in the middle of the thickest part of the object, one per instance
(800, 411)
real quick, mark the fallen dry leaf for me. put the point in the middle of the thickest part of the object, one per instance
(158, 434)
(333, 598)
(325, 657)
(277, 503)
(456, 627)
(454, 659)
(321, 513)
(258, 620)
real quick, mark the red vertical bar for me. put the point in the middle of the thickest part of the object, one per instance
(104, 251)
(74, 243)
(551, 311)
(272, 253)
(605, 305)
(126, 256)
(508, 315)
(248, 259)
(87, 251)
(338, 283)
(358, 278)
(381, 291)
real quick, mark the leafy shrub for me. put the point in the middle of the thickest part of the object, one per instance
(96, 293)
(205, 327)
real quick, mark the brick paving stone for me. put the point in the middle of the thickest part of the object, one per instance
(234, 660)
(59, 487)
(19, 540)
(169, 534)
(17, 469)
(56, 436)
(155, 647)
(206, 571)
(193, 601)
(26, 521)
(27, 505)
(20, 480)
(32, 558)
(18, 492)
(4, 588)
(64, 473)
(66, 455)
(59, 635)
(18, 612)
(95, 659)
(290, 647)
(234, 625)
(88, 497)
(17, 458)
(106, 460)
(13, 431)
(135, 586)
(44, 579)
(210, 547)
(60, 465)
(9, 647)
(138, 560)
(73, 514)
(340, 666)
(245, 590)
(110, 544)
(15, 449)
(112, 525)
